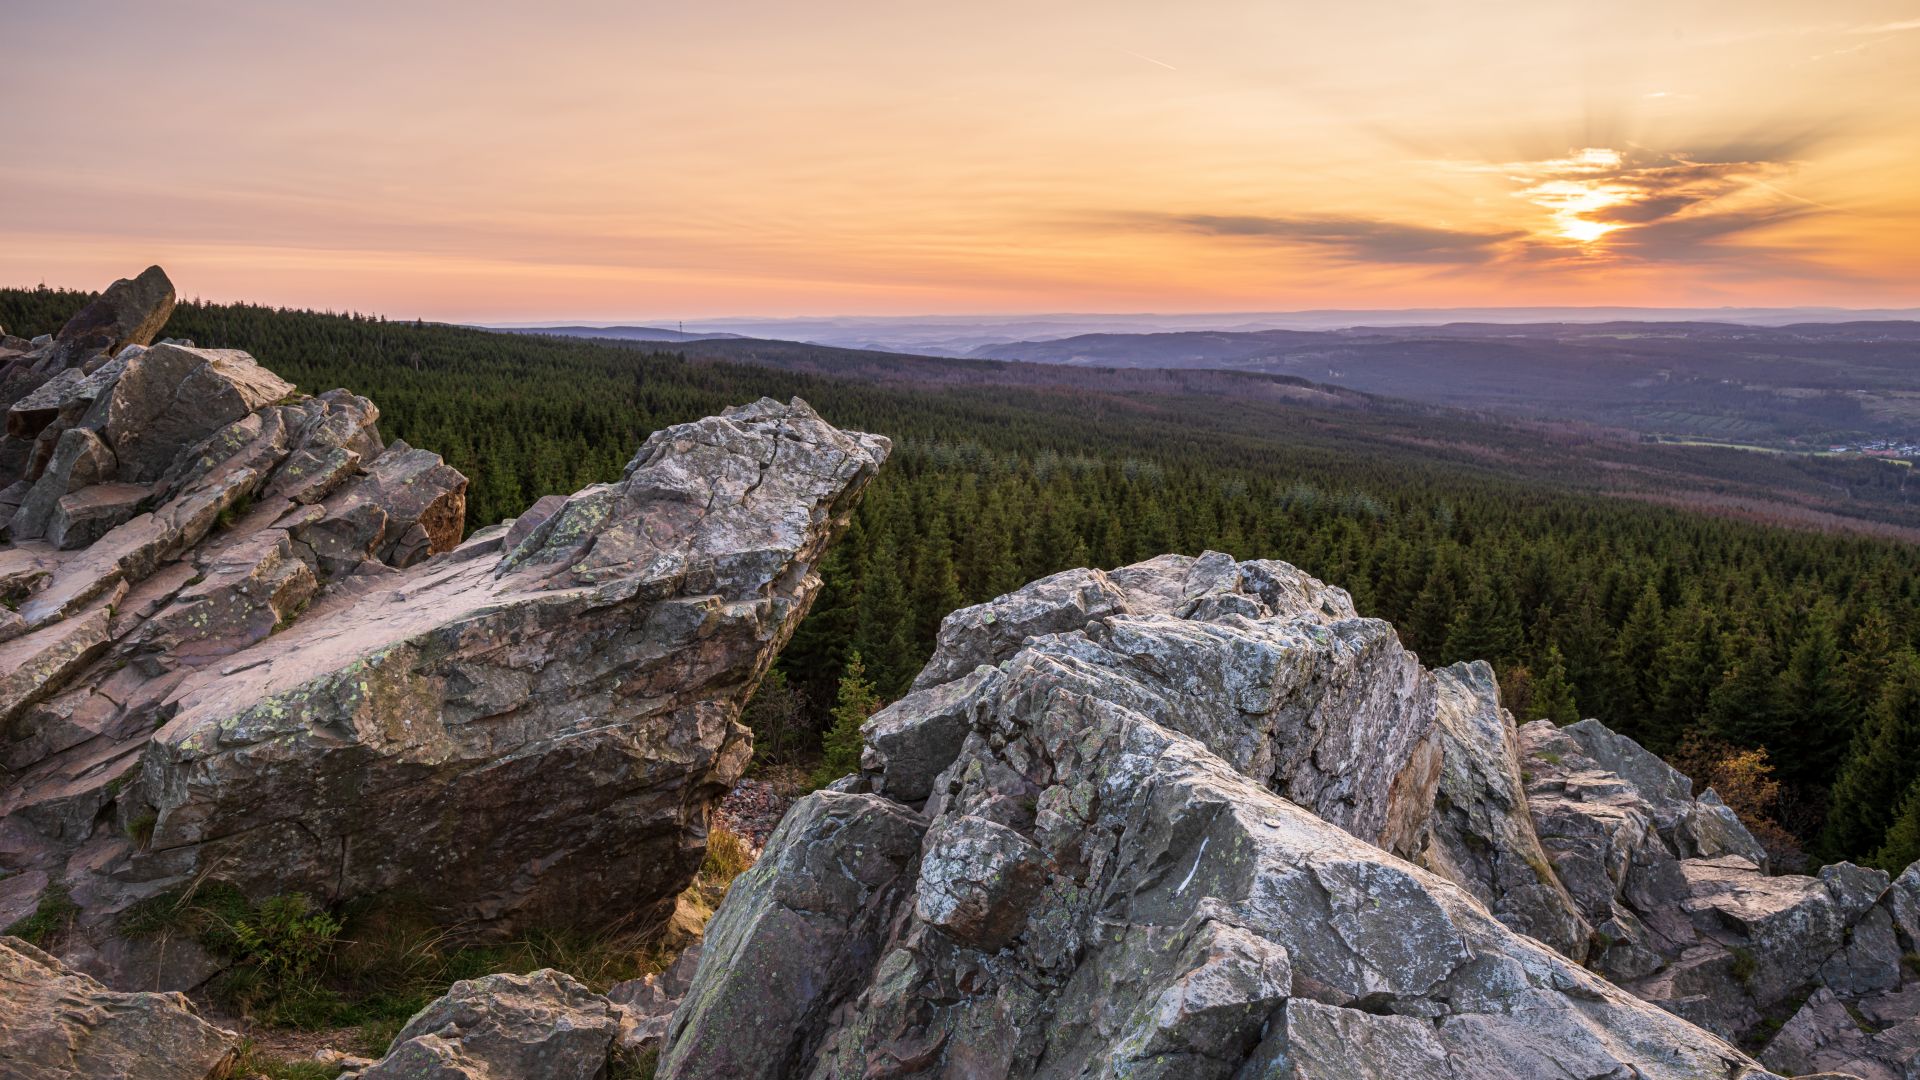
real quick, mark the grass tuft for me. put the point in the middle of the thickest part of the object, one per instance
(49, 920)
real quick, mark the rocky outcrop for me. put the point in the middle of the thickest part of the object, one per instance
(248, 645)
(1154, 853)
(57, 1024)
(1196, 818)
(1686, 916)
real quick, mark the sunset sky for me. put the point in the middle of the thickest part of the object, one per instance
(600, 161)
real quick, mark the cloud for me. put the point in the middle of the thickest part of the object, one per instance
(1699, 237)
(1643, 204)
(1592, 206)
(1357, 239)
(1887, 28)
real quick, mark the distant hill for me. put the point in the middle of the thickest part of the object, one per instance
(1814, 384)
(963, 335)
(615, 333)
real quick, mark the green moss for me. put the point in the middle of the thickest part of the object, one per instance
(119, 783)
(234, 512)
(49, 920)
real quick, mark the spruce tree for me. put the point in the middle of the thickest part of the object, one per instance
(1552, 693)
(1636, 656)
(1811, 698)
(1902, 845)
(1742, 709)
(853, 703)
(1883, 765)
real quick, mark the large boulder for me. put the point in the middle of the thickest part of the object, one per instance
(509, 738)
(259, 652)
(57, 1024)
(505, 1027)
(130, 312)
(1147, 857)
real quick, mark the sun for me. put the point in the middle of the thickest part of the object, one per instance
(1574, 202)
(1581, 230)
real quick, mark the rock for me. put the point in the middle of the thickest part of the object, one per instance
(1126, 872)
(33, 666)
(987, 633)
(170, 397)
(56, 1023)
(273, 672)
(586, 755)
(1824, 1036)
(1684, 914)
(648, 1003)
(1257, 660)
(798, 933)
(79, 459)
(543, 508)
(1478, 831)
(505, 1027)
(910, 742)
(87, 515)
(408, 505)
(129, 312)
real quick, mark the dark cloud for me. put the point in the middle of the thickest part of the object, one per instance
(1357, 239)
(1700, 236)
(1643, 211)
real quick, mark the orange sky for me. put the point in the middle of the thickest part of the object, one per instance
(601, 161)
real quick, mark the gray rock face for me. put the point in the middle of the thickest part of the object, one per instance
(1271, 668)
(1686, 917)
(1148, 857)
(505, 1027)
(804, 935)
(277, 673)
(57, 1024)
(1479, 832)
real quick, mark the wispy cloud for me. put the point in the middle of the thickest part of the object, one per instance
(1149, 59)
(1358, 239)
(1887, 28)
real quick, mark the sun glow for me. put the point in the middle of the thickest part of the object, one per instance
(1583, 186)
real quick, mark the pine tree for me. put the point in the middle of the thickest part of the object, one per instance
(1486, 626)
(853, 703)
(1902, 845)
(1742, 708)
(1688, 667)
(1811, 699)
(1552, 693)
(1883, 765)
(1636, 656)
(1870, 655)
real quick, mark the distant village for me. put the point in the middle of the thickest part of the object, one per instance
(1886, 448)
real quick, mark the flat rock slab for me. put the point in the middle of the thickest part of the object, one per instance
(57, 1024)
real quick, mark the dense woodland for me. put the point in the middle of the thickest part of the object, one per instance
(1700, 636)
